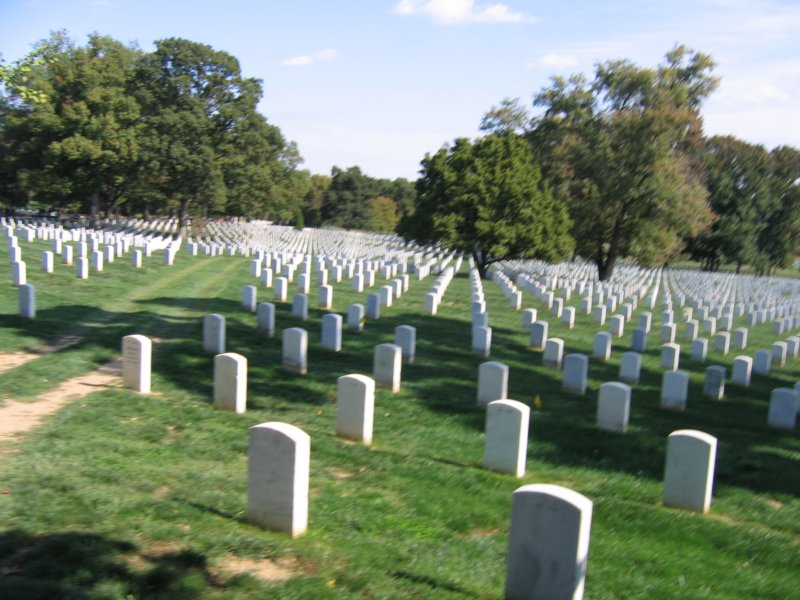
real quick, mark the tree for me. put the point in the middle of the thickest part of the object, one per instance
(487, 198)
(74, 140)
(382, 214)
(780, 239)
(736, 175)
(346, 199)
(509, 117)
(618, 151)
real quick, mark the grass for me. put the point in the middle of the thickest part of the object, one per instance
(121, 495)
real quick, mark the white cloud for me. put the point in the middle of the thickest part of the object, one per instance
(451, 12)
(554, 61)
(308, 59)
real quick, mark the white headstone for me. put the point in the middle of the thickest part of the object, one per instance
(265, 316)
(27, 301)
(279, 457)
(214, 333)
(281, 289)
(576, 373)
(47, 261)
(714, 383)
(689, 471)
(355, 317)
(762, 362)
(613, 406)
(405, 336)
(602, 345)
(784, 404)
(492, 382)
(325, 297)
(617, 325)
(553, 354)
(137, 353)
(700, 350)
(355, 407)
(548, 543)
(373, 306)
(332, 332)
(670, 357)
(249, 298)
(674, 390)
(539, 335)
(230, 382)
(528, 318)
(742, 370)
(506, 442)
(295, 350)
(630, 367)
(300, 306)
(386, 366)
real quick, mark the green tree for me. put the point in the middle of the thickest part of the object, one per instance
(779, 241)
(509, 117)
(619, 151)
(346, 199)
(74, 146)
(487, 198)
(737, 175)
(382, 212)
(314, 199)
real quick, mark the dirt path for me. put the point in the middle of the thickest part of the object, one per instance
(15, 359)
(19, 417)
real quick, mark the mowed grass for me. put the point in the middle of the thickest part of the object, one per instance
(121, 495)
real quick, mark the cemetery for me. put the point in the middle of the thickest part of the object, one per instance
(318, 413)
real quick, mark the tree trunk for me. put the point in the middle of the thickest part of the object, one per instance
(480, 264)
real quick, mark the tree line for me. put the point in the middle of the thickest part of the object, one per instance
(106, 128)
(610, 168)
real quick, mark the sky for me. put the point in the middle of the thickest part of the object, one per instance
(380, 83)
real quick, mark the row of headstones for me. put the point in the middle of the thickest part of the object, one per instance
(548, 523)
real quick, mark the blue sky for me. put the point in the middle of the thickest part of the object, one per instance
(379, 83)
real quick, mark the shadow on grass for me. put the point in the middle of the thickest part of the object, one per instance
(87, 566)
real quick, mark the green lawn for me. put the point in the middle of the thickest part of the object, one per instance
(121, 495)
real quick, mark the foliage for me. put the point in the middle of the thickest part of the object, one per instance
(617, 150)
(174, 131)
(382, 214)
(487, 198)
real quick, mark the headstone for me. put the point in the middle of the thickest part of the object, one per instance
(230, 382)
(405, 336)
(762, 362)
(325, 297)
(668, 333)
(136, 259)
(304, 283)
(480, 319)
(355, 317)
(740, 338)
(553, 353)
(742, 370)
(265, 315)
(295, 350)
(576, 373)
(66, 255)
(568, 317)
(674, 390)
(492, 382)
(630, 367)
(47, 261)
(692, 327)
(355, 407)
(137, 353)
(783, 406)
(373, 306)
(97, 260)
(266, 277)
(639, 340)
(82, 268)
(670, 357)
(539, 335)
(689, 470)
(281, 289)
(279, 457)
(482, 341)
(602, 345)
(710, 326)
(358, 284)
(548, 543)
(617, 326)
(214, 333)
(431, 303)
(332, 332)
(528, 318)
(19, 275)
(386, 366)
(300, 306)
(613, 406)
(722, 342)
(249, 298)
(700, 350)
(714, 383)
(506, 442)
(599, 315)
(779, 352)
(645, 321)
(386, 295)
(27, 301)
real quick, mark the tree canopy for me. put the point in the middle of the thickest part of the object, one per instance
(618, 151)
(487, 198)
